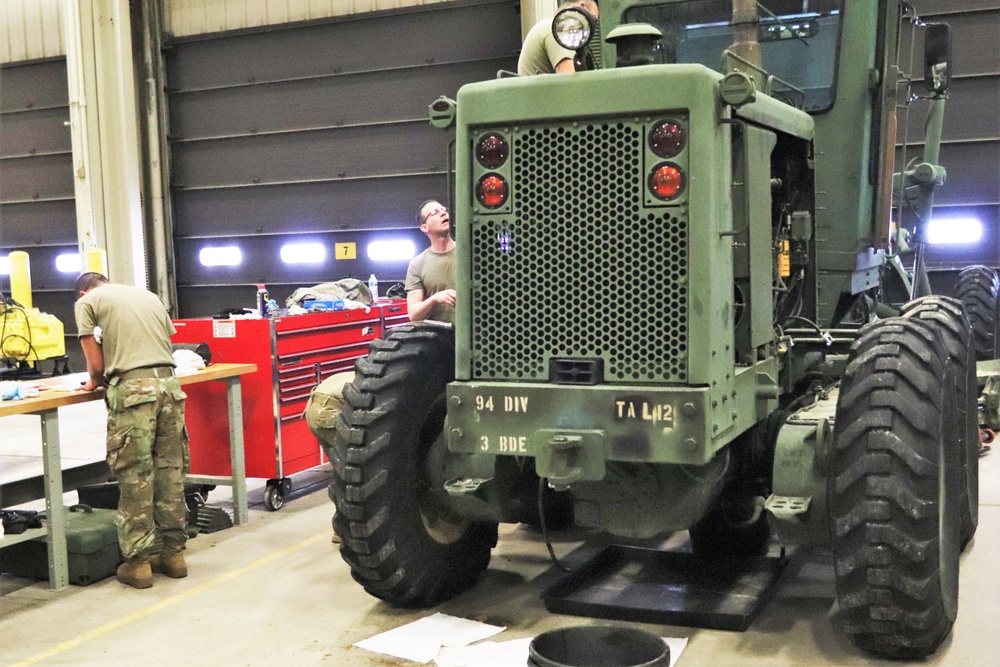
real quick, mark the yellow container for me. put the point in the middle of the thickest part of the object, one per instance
(20, 278)
(97, 261)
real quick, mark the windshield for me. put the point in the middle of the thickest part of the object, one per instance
(798, 41)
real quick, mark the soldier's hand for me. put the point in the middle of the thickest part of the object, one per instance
(446, 296)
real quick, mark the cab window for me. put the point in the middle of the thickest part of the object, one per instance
(798, 41)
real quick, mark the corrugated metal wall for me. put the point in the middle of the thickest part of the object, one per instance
(31, 29)
(184, 18)
(318, 133)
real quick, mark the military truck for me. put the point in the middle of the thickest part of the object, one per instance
(691, 296)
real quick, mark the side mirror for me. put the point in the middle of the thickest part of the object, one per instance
(937, 57)
(442, 112)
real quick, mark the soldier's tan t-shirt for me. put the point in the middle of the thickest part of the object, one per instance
(540, 52)
(433, 272)
(135, 327)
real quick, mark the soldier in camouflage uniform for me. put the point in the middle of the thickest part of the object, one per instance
(147, 441)
(325, 404)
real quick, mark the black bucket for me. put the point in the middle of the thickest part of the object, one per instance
(598, 646)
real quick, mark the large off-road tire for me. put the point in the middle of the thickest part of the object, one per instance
(403, 542)
(978, 289)
(893, 492)
(948, 316)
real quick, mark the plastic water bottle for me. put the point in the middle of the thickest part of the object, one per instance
(373, 287)
(262, 300)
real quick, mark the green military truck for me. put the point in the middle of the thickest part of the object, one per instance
(681, 287)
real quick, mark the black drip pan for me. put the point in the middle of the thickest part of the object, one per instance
(667, 587)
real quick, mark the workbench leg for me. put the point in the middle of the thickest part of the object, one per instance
(234, 400)
(54, 511)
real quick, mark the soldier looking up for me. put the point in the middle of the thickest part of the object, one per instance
(430, 277)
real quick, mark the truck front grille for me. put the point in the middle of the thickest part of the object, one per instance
(581, 268)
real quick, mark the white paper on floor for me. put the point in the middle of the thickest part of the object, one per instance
(421, 640)
(514, 653)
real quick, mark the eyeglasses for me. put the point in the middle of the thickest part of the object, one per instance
(437, 211)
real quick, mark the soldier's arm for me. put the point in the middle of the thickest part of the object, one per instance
(95, 363)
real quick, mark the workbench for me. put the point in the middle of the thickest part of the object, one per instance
(54, 396)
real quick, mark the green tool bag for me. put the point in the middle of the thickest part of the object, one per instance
(91, 542)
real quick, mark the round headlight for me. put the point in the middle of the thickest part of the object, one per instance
(573, 27)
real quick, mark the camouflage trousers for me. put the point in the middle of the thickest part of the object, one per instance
(148, 454)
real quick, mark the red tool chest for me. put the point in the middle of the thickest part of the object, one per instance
(293, 354)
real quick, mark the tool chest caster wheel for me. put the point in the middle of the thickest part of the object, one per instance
(274, 494)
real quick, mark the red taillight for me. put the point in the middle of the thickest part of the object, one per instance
(492, 151)
(491, 190)
(666, 181)
(667, 138)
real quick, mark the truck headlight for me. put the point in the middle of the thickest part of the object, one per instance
(573, 27)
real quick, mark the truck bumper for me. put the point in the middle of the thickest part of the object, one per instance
(572, 431)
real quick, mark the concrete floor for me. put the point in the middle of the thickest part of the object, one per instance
(276, 592)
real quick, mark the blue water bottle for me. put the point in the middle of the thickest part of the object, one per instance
(373, 287)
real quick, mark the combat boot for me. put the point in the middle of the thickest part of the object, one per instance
(170, 563)
(136, 572)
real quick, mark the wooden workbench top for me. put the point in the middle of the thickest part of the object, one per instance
(55, 392)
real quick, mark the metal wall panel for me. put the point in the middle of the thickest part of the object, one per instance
(34, 86)
(38, 133)
(443, 34)
(38, 223)
(195, 17)
(317, 132)
(36, 177)
(303, 207)
(362, 151)
(321, 102)
(31, 29)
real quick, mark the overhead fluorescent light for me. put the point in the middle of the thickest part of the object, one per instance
(954, 231)
(391, 251)
(229, 255)
(68, 262)
(303, 253)
(4, 266)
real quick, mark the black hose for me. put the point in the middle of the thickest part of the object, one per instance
(541, 522)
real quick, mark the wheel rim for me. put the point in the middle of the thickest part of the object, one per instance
(442, 524)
